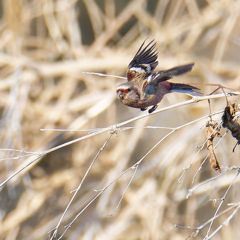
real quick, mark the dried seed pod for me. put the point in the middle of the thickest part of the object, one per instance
(212, 130)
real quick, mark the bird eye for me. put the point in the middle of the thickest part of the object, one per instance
(129, 89)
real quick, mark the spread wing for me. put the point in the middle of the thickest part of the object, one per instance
(144, 61)
(170, 73)
(162, 76)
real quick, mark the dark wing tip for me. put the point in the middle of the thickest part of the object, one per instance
(144, 56)
(179, 70)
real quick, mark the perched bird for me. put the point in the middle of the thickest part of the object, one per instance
(146, 88)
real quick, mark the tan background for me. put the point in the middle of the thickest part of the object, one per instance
(44, 48)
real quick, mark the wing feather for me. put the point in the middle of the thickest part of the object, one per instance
(165, 75)
(144, 61)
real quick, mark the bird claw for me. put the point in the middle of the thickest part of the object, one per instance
(152, 109)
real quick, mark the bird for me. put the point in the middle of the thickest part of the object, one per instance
(146, 88)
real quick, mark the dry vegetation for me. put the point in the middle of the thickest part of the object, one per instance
(45, 47)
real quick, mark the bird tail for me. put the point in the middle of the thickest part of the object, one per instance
(185, 88)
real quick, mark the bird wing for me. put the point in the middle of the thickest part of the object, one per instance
(165, 75)
(170, 73)
(144, 61)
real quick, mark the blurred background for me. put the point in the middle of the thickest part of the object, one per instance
(45, 46)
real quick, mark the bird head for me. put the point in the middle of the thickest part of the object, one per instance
(129, 93)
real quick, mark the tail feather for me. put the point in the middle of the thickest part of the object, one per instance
(185, 88)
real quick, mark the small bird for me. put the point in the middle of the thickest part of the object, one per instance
(145, 88)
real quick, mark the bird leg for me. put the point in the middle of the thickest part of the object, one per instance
(152, 109)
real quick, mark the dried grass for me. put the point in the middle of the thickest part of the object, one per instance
(45, 48)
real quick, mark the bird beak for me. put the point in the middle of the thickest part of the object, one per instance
(120, 94)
